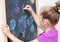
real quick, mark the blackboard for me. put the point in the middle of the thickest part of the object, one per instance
(21, 22)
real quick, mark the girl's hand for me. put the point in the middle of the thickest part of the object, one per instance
(28, 7)
(6, 30)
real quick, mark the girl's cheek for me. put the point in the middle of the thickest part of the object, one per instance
(45, 21)
(42, 24)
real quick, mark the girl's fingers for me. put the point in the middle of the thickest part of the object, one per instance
(24, 8)
(4, 25)
(27, 6)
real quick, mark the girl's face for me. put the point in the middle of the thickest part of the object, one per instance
(43, 22)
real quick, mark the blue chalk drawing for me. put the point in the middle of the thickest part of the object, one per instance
(32, 28)
(12, 24)
(22, 24)
(30, 21)
(17, 2)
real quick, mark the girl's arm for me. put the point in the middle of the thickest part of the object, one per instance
(34, 40)
(13, 38)
(29, 8)
(7, 32)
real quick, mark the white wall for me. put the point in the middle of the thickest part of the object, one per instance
(45, 2)
(52, 3)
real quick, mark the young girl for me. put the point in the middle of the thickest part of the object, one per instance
(49, 17)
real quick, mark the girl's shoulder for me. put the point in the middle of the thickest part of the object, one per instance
(51, 33)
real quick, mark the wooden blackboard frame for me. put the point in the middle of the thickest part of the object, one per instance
(4, 19)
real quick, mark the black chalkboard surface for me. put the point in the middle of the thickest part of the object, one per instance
(20, 21)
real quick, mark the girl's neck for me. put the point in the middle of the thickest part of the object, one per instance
(48, 28)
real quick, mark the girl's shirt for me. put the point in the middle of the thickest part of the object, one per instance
(50, 36)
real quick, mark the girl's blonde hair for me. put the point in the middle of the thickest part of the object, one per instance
(57, 6)
(50, 13)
